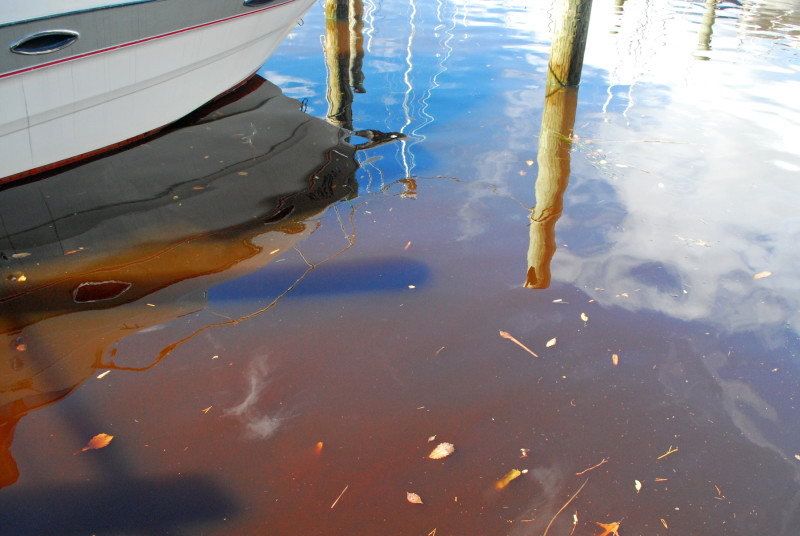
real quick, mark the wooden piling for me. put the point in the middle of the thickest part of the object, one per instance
(569, 43)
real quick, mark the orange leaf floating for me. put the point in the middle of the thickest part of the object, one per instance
(762, 275)
(511, 475)
(413, 498)
(442, 450)
(610, 528)
(97, 442)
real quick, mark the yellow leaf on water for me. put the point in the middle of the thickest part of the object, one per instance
(637, 485)
(610, 528)
(442, 450)
(615, 359)
(584, 317)
(509, 476)
(761, 275)
(97, 442)
(551, 342)
(413, 498)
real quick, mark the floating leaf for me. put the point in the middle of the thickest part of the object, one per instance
(97, 442)
(442, 450)
(609, 528)
(664, 523)
(615, 359)
(413, 498)
(761, 275)
(637, 485)
(551, 342)
(509, 476)
(584, 317)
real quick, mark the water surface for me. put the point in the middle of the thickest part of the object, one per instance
(283, 361)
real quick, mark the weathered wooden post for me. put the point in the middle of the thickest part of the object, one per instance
(555, 137)
(569, 43)
(337, 58)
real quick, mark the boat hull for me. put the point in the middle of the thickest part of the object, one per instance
(135, 68)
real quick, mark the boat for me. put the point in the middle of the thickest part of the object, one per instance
(79, 77)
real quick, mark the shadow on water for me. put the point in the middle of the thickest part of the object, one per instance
(137, 505)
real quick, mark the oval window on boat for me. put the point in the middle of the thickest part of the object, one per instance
(45, 42)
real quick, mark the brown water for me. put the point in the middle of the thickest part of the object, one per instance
(277, 329)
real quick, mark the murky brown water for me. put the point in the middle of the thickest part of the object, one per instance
(278, 328)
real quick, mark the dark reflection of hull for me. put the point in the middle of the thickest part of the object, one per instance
(106, 249)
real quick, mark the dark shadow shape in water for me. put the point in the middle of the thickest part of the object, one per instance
(385, 274)
(143, 506)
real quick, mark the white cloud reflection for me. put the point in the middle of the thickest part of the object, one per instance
(258, 424)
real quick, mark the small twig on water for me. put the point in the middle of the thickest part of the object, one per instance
(592, 467)
(563, 507)
(670, 451)
(340, 496)
(508, 336)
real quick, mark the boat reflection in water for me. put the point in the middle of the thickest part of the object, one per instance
(123, 243)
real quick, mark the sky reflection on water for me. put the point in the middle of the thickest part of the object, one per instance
(683, 187)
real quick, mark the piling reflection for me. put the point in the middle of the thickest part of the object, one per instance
(344, 54)
(124, 243)
(706, 28)
(555, 138)
(553, 159)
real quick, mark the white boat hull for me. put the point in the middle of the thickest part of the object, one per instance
(56, 111)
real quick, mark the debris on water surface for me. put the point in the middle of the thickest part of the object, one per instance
(637, 485)
(97, 442)
(340, 496)
(615, 359)
(551, 342)
(669, 451)
(609, 528)
(442, 450)
(413, 498)
(508, 336)
(595, 466)
(563, 507)
(584, 317)
(761, 275)
(508, 477)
